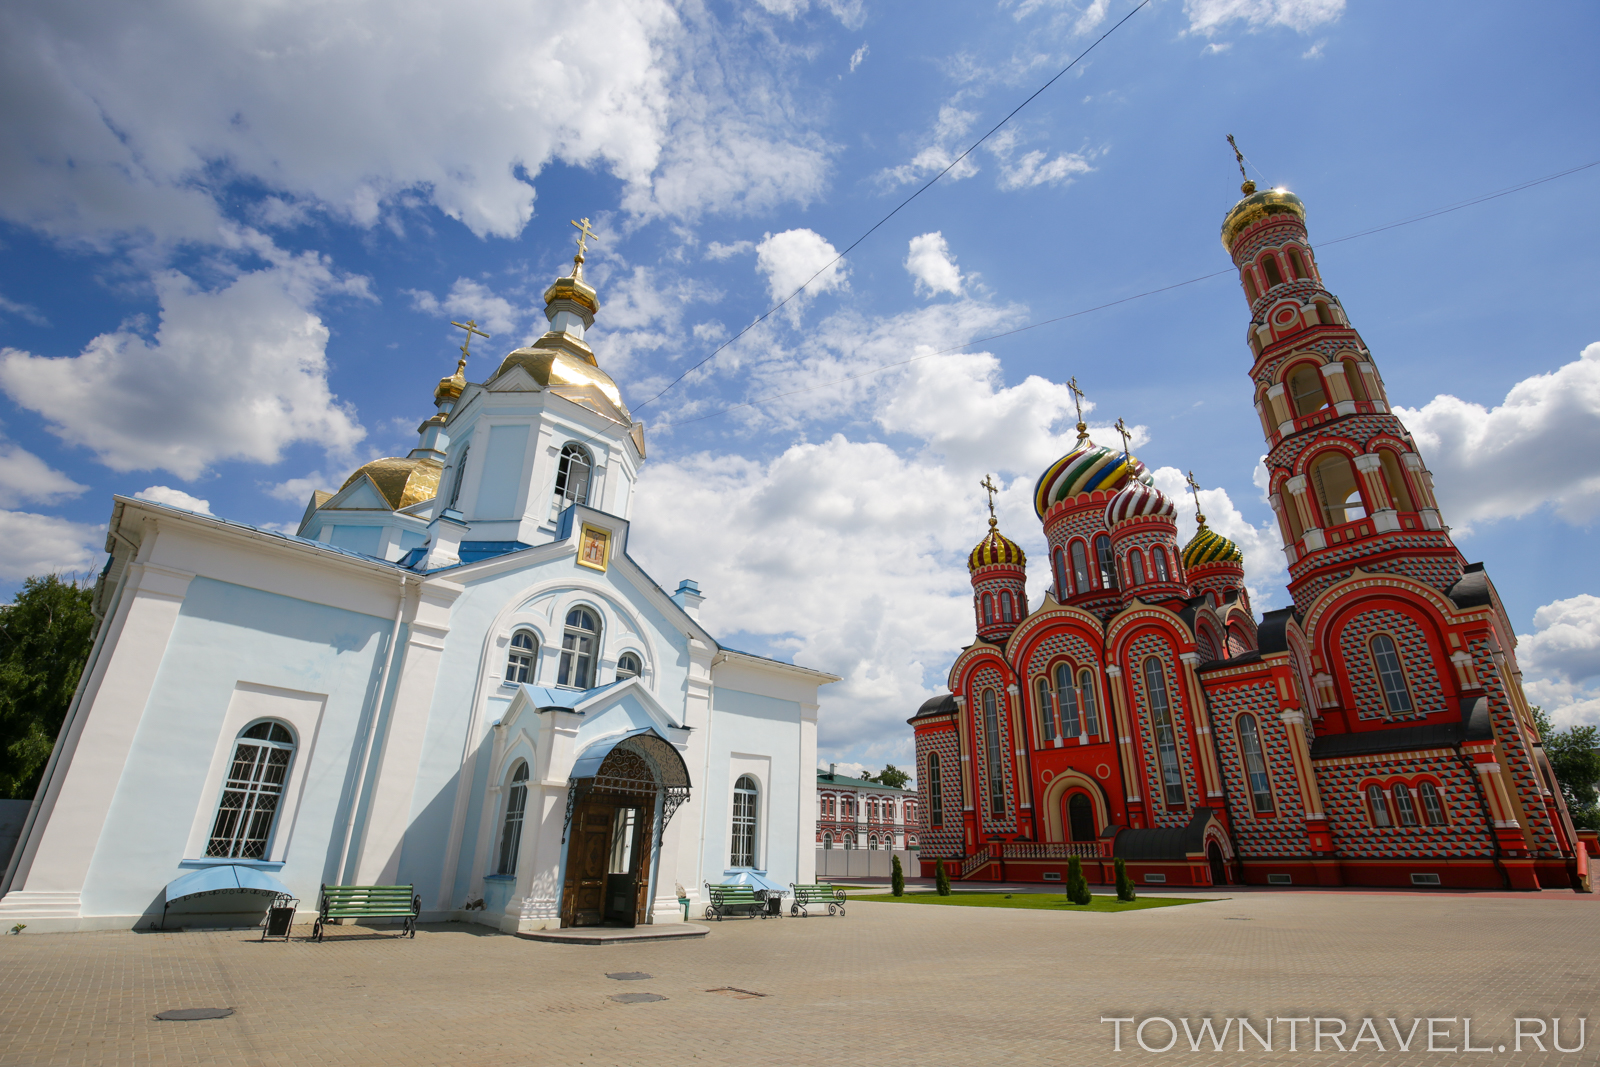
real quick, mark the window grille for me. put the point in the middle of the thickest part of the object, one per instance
(1379, 805)
(1047, 713)
(511, 829)
(1080, 567)
(1071, 720)
(1158, 562)
(1108, 567)
(935, 794)
(1404, 809)
(249, 805)
(578, 644)
(1136, 566)
(520, 660)
(744, 822)
(991, 735)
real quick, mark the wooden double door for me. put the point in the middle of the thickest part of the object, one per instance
(608, 862)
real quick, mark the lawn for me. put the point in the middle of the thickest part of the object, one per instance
(1043, 901)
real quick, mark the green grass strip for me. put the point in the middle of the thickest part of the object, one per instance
(1038, 901)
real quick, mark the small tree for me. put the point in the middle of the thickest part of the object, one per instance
(891, 776)
(1124, 883)
(1077, 884)
(1576, 765)
(45, 634)
(941, 880)
(897, 879)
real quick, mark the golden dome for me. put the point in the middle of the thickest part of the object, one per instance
(401, 482)
(556, 367)
(451, 388)
(572, 287)
(995, 547)
(1258, 206)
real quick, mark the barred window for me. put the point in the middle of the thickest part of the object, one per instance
(1390, 674)
(520, 660)
(249, 805)
(1071, 720)
(744, 822)
(1404, 809)
(1080, 567)
(935, 794)
(1255, 764)
(1155, 681)
(1158, 563)
(511, 826)
(1108, 567)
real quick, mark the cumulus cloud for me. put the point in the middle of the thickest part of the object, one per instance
(470, 298)
(163, 494)
(718, 251)
(929, 262)
(790, 259)
(234, 373)
(45, 544)
(1208, 16)
(941, 146)
(27, 479)
(1560, 656)
(1535, 449)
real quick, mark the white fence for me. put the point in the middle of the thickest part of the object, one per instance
(862, 863)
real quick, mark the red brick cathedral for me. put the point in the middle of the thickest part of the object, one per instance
(1375, 733)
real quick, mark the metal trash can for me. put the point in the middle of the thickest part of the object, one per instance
(280, 917)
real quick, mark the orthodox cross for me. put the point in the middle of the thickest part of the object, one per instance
(1238, 157)
(1126, 455)
(584, 236)
(1077, 402)
(992, 489)
(471, 326)
(1194, 489)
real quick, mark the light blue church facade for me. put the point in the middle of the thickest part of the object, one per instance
(454, 676)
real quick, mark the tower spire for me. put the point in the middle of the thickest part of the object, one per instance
(1238, 157)
(991, 489)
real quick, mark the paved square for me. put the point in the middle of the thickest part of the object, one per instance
(890, 983)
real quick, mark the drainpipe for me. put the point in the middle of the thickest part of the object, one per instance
(372, 730)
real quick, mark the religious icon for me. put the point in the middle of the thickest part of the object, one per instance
(594, 548)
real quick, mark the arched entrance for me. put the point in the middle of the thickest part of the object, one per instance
(1080, 818)
(1219, 869)
(622, 793)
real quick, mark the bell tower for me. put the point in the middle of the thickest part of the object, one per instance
(1347, 484)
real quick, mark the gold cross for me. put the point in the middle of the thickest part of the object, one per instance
(1194, 488)
(584, 235)
(1238, 157)
(1123, 430)
(988, 484)
(1077, 402)
(471, 326)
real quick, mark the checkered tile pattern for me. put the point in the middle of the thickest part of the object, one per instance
(942, 841)
(1344, 801)
(1441, 571)
(1156, 644)
(1416, 659)
(1530, 789)
(989, 677)
(1282, 831)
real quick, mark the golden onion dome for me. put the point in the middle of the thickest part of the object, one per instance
(995, 548)
(451, 388)
(556, 367)
(572, 287)
(1258, 206)
(1208, 546)
(401, 482)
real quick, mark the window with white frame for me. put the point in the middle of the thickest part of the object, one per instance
(1155, 680)
(745, 800)
(628, 666)
(578, 644)
(1255, 764)
(1071, 716)
(1378, 804)
(1395, 693)
(511, 826)
(1405, 811)
(520, 659)
(250, 796)
(572, 478)
(1091, 715)
(1432, 809)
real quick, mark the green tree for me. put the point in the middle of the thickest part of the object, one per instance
(941, 880)
(45, 634)
(1124, 883)
(1576, 764)
(891, 776)
(897, 879)
(1077, 884)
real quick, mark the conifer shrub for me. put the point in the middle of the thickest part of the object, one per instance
(897, 879)
(941, 879)
(1124, 883)
(1077, 884)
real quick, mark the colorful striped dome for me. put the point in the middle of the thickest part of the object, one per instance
(1136, 500)
(1208, 546)
(995, 548)
(1085, 469)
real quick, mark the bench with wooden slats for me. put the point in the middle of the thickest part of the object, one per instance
(732, 898)
(833, 896)
(369, 902)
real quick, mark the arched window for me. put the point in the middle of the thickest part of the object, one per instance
(1080, 818)
(1395, 479)
(1058, 568)
(1238, 640)
(1269, 266)
(1255, 765)
(1071, 720)
(1324, 316)
(935, 793)
(1378, 806)
(1337, 490)
(743, 853)
(1405, 811)
(1108, 567)
(1296, 264)
(1305, 389)
(520, 660)
(1158, 563)
(1005, 607)
(578, 645)
(849, 839)
(991, 738)
(628, 666)
(827, 841)
(988, 609)
(1432, 809)
(511, 826)
(1155, 682)
(461, 476)
(572, 476)
(1390, 675)
(1250, 286)
(1352, 377)
(1080, 568)
(1091, 714)
(1291, 512)
(1047, 711)
(249, 804)
(1136, 567)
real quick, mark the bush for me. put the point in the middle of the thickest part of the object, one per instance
(941, 880)
(1077, 884)
(1124, 883)
(897, 879)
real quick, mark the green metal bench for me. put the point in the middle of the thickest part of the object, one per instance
(728, 899)
(833, 896)
(368, 902)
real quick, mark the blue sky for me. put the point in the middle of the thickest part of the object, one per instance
(233, 238)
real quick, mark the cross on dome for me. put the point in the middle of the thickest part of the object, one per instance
(992, 489)
(1077, 402)
(584, 235)
(1194, 490)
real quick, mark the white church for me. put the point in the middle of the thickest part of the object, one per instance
(454, 676)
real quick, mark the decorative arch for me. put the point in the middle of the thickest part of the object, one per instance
(1053, 802)
(1304, 385)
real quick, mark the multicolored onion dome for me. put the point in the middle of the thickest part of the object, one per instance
(995, 548)
(1136, 500)
(1085, 469)
(1258, 206)
(1208, 546)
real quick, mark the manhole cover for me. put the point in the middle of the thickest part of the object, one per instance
(737, 994)
(191, 1014)
(636, 998)
(629, 976)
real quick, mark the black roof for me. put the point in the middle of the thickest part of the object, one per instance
(1175, 844)
(1273, 633)
(940, 705)
(1472, 588)
(1473, 726)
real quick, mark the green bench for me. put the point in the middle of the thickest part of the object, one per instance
(368, 902)
(816, 894)
(729, 899)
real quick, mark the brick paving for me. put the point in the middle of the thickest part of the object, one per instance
(890, 982)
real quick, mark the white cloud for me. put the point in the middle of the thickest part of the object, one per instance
(1208, 16)
(1033, 169)
(1265, 572)
(235, 373)
(177, 498)
(469, 298)
(1536, 448)
(1560, 656)
(790, 259)
(849, 12)
(45, 544)
(25, 478)
(930, 263)
(952, 125)
(1315, 51)
(718, 251)
(26, 312)
(299, 490)
(859, 56)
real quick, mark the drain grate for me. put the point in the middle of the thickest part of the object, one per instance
(629, 976)
(737, 994)
(191, 1014)
(636, 998)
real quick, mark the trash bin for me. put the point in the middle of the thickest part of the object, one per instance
(280, 917)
